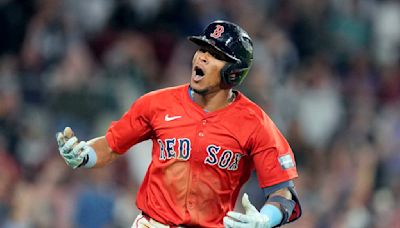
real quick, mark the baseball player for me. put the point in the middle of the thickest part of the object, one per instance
(207, 139)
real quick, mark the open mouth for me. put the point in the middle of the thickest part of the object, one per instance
(198, 74)
(198, 71)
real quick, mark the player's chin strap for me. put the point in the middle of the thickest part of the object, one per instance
(290, 209)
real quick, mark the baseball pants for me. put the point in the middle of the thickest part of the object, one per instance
(144, 221)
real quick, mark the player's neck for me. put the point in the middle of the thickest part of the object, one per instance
(214, 101)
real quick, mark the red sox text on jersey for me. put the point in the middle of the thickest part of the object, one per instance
(180, 149)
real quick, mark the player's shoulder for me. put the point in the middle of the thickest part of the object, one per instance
(250, 110)
(165, 93)
(249, 106)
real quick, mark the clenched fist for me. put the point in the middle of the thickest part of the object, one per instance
(75, 153)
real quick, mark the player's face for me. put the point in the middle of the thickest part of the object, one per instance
(206, 68)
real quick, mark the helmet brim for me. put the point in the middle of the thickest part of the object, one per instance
(202, 41)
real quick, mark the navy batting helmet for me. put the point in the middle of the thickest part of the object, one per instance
(234, 44)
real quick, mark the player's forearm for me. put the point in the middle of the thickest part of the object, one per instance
(279, 207)
(104, 154)
(285, 193)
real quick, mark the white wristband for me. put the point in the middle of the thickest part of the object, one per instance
(92, 158)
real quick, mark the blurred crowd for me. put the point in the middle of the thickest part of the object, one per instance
(326, 71)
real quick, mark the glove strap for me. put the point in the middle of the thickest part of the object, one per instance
(90, 159)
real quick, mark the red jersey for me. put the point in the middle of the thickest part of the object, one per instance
(200, 159)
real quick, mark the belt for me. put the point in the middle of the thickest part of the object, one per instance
(148, 218)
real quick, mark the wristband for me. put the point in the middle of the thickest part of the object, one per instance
(273, 213)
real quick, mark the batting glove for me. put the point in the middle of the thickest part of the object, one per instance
(74, 153)
(252, 217)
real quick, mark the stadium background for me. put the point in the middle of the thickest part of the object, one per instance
(326, 71)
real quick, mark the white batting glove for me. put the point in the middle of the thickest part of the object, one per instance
(251, 219)
(73, 152)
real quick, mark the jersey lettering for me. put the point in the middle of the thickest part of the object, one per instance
(184, 149)
(219, 29)
(180, 148)
(235, 163)
(212, 151)
(162, 151)
(225, 159)
(169, 147)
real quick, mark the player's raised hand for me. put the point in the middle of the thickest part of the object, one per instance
(252, 217)
(74, 152)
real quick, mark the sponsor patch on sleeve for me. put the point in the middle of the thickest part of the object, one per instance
(286, 161)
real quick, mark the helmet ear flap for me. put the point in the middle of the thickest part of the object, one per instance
(232, 74)
(228, 76)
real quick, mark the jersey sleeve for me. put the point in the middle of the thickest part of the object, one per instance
(133, 127)
(271, 154)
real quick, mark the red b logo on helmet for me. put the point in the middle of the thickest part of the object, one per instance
(219, 29)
